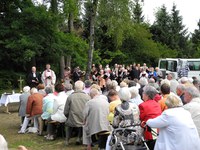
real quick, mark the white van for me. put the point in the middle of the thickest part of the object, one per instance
(168, 65)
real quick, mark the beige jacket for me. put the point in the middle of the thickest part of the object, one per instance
(194, 108)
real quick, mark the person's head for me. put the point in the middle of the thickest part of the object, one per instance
(110, 85)
(59, 87)
(143, 81)
(26, 89)
(151, 80)
(68, 87)
(190, 93)
(165, 89)
(180, 89)
(184, 80)
(124, 94)
(88, 83)
(113, 95)
(196, 83)
(165, 81)
(131, 83)
(171, 76)
(94, 92)
(134, 91)
(149, 93)
(3, 143)
(34, 90)
(33, 69)
(48, 89)
(173, 101)
(96, 86)
(40, 86)
(48, 66)
(123, 84)
(79, 85)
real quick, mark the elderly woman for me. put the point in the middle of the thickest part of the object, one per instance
(177, 129)
(58, 111)
(23, 102)
(149, 109)
(135, 96)
(126, 114)
(47, 107)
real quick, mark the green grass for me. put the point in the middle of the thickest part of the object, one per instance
(10, 124)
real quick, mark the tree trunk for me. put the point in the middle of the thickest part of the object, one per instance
(71, 22)
(62, 66)
(68, 61)
(91, 38)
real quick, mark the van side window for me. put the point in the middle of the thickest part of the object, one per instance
(194, 65)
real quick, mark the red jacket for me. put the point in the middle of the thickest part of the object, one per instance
(34, 104)
(148, 110)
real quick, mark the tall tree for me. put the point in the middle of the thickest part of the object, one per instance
(92, 16)
(161, 27)
(179, 37)
(196, 41)
(137, 12)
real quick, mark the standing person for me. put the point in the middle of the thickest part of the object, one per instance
(33, 78)
(149, 109)
(48, 76)
(74, 110)
(177, 131)
(23, 102)
(95, 117)
(192, 99)
(33, 109)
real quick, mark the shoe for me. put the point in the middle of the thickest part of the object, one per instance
(50, 138)
(21, 132)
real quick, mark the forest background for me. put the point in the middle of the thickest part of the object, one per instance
(82, 32)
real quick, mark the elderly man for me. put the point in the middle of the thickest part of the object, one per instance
(191, 97)
(173, 82)
(95, 113)
(74, 110)
(33, 78)
(180, 90)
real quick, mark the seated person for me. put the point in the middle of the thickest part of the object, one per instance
(58, 112)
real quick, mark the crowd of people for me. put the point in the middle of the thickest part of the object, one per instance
(134, 96)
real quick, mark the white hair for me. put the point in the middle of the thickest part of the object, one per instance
(134, 91)
(165, 81)
(124, 94)
(173, 101)
(3, 143)
(26, 89)
(94, 92)
(184, 80)
(79, 85)
(34, 90)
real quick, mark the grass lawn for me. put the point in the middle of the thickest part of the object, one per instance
(10, 124)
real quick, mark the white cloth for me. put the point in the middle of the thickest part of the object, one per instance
(58, 107)
(194, 108)
(8, 98)
(177, 130)
(45, 80)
